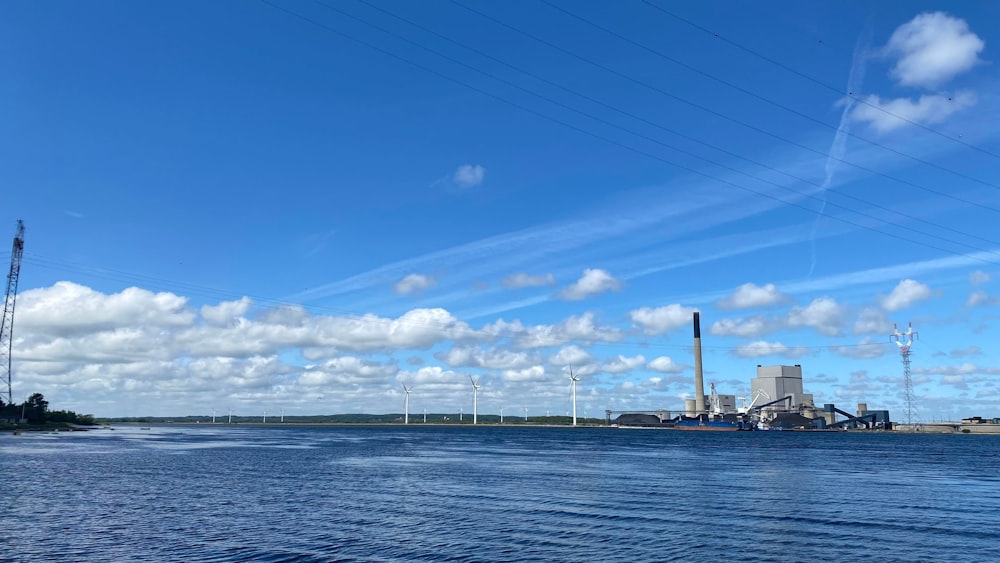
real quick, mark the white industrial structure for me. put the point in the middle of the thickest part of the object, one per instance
(475, 398)
(717, 403)
(573, 379)
(778, 382)
(406, 404)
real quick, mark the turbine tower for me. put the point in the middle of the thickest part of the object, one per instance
(905, 340)
(475, 398)
(572, 383)
(406, 404)
(7, 322)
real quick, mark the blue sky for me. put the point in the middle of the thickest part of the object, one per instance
(301, 205)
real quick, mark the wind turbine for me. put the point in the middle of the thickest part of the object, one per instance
(572, 382)
(475, 397)
(213, 416)
(230, 416)
(501, 414)
(265, 417)
(406, 404)
(526, 414)
(425, 416)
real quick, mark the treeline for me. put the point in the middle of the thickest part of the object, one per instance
(35, 410)
(355, 418)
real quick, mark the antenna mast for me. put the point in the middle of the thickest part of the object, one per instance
(905, 341)
(7, 323)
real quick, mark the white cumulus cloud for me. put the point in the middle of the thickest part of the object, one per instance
(929, 109)
(752, 327)
(594, 281)
(622, 364)
(570, 356)
(346, 370)
(69, 308)
(872, 321)
(582, 328)
(469, 175)
(664, 364)
(929, 50)
(823, 314)
(906, 293)
(750, 295)
(533, 373)
(413, 283)
(492, 358)
(662, 319)
(932, 48)
(225, 312)
(764, 348)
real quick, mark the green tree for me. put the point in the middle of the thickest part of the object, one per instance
(35, 409)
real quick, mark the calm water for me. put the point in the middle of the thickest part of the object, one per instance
(497, 494)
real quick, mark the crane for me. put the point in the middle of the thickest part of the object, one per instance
(714, 402)
(7, 322)
(756, 397)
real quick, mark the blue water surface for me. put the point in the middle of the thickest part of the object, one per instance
(488, 493)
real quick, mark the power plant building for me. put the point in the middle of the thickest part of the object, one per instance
(781, 381)
(777, 401)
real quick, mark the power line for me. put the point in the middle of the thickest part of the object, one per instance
(642, 119)
(117, 274)
(640, 135)
(262, 299)
(741, 122)
(817, 81)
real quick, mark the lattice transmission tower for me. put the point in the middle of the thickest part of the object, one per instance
(7, 323)
(905, 341)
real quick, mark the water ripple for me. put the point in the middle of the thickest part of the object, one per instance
(277, 494)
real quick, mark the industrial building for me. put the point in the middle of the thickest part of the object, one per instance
(777, 382)
(777, 401)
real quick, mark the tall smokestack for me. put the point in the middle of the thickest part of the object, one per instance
(699, 379)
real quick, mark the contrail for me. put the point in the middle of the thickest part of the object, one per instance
(839, 145)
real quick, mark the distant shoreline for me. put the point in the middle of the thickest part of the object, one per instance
(927, 429)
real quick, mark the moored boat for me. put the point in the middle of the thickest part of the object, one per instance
(722, 424)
